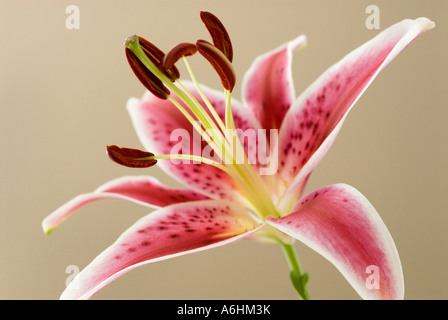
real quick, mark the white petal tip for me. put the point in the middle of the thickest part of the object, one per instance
(46, 227)
(132, 103)
(426, 23)
(298, 43)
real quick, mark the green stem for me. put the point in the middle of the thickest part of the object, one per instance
(298, 278)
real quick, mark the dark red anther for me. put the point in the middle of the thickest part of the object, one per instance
(181, 50)
(146, 77)
(219, 34)
(156, 55)
(132, 158)
(220, 63)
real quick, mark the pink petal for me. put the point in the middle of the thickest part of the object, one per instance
(268, 89)
(315, 118)
(340, 224)
(155, 120)
(144, 190)
(165, 233)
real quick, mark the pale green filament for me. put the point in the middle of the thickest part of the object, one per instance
(187, 157)
(229, 116)
(204, 98)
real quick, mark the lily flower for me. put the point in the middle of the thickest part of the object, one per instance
(228, 199)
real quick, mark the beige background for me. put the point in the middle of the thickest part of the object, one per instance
(62, 99)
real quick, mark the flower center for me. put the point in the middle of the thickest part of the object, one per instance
(158, 74)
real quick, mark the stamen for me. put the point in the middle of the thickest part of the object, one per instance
(157, 56)
(152, 51)
(132, 158)
(157, 70)
(181, 50)
(191, 157)
(146, 77)
(219, 62)
(219, 34)
(132, 43)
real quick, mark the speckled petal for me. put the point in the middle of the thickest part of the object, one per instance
(314, 120)
(268, 88)
(165, 233)
(339, 223)
(144, 190)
